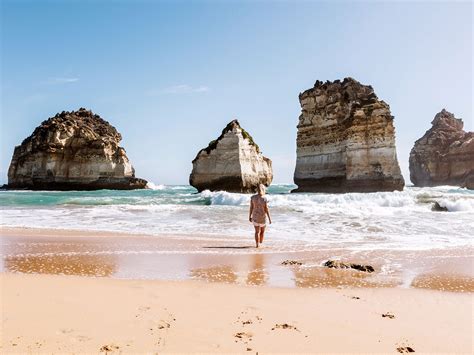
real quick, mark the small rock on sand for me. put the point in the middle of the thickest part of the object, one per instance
(341, 265)
(291, 262)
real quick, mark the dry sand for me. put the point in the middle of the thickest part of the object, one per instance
(70, 314)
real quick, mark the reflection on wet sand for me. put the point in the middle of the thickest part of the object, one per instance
(248, 270)
(46, 256)
(322, 277)
(81, 265)
(256, 274)
(444, 282)
(215, 274)
(156, 258)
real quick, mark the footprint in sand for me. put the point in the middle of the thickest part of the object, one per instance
(405, 349)
(108, 348)
(161, 327)
(243, 337)
(246, 320)
(65, 331)
(285, 326)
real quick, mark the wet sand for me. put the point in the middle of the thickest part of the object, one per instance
(88, 292)
(106, 254)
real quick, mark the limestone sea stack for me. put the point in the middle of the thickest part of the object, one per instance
(345, 141)
(444, 155)
(75, 150)
(233, 162)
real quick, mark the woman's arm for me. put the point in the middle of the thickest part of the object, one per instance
(251, 210)
(267, 211)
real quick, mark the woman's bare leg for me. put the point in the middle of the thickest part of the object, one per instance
(262, 233)
(257, 233)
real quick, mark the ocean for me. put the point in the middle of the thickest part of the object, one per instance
(353, 221)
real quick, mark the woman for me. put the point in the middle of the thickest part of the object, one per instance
(258, 213)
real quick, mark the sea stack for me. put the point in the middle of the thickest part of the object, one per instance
(345, 141)
(75, 150)
(233, 162)
(444, 155)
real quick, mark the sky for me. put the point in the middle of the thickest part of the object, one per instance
(169, 75)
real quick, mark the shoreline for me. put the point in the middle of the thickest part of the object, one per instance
(136, 257)
(103, 315)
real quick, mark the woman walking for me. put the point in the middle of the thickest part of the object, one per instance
(258, 213)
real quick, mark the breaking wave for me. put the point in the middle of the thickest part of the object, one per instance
(393, 220)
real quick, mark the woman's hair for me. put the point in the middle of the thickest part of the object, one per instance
(261, 189)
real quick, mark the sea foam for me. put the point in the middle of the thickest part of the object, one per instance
(380, 220)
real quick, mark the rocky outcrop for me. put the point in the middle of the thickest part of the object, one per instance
(346, 140)
(75, 150)
(232, 163)
(444, 155)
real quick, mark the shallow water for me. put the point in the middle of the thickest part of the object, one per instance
(236, 261)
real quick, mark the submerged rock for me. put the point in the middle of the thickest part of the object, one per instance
(444, 155)
(341, 265)
(346, 140)
(438, 208)
(232, 162)
(75, 150)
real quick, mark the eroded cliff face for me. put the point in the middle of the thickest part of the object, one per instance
(72, 151)
(444, 155)
(232, 163)
(345, 141)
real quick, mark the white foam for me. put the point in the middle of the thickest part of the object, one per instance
(355, 221)
(457, 205)
(226, 198)
(151, 186)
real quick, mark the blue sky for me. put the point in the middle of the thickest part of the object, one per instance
(170, 75)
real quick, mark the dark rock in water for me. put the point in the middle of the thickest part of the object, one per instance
(291, 262)
(233, 162)
(438, 208)
(75, 150)
(345, 141)
(444, 155)
(341, 265)
(469, 182)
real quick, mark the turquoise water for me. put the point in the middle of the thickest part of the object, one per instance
(176, 194)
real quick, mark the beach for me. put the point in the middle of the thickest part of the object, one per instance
(59, 314)
(168, 270)
(71, 292)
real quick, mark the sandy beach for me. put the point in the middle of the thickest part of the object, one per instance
(62, 314)
(78, 292)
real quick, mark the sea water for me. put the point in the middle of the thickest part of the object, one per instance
(400, 220)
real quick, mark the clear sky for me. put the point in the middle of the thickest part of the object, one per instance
(171, 74)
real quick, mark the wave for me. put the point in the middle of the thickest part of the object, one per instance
(151, 186)
(454, 199)
(457, 205)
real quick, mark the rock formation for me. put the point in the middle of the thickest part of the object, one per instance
(346, 140)
(232, 163)
(72, 151)
(444, 155)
